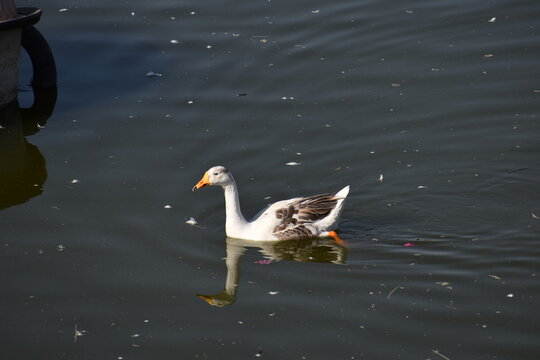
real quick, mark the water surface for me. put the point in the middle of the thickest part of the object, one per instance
(440, 98)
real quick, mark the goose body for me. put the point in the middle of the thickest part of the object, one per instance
(297, 218)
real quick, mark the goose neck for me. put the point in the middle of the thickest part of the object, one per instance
(232, 207)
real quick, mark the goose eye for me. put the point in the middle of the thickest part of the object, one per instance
(216, 174)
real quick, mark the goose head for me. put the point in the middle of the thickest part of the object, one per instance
(221, 299)
(217, 175)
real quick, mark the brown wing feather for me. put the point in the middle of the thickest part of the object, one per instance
(315, 207)
(302, 212)
(296, 232)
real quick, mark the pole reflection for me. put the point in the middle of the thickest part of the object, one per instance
(23, 169)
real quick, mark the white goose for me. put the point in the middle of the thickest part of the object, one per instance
(297, 218)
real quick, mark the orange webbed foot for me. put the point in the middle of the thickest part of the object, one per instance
(336, 238)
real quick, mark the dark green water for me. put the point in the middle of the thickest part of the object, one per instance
(432, 95)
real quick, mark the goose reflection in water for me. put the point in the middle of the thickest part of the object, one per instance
(307, 250)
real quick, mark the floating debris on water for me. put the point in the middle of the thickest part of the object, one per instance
(446, 284)
(293, 163)
(273, 292)
(167, 207)
(394, 290)
(173, 41)
(494, 277)
(381, 178)
(510, 295)
(63, 10)
(437, 352)
(153, 74)
(422, 187)
(492, 20)
(74, 181)
(77, 333)
(315, 11)
(263, 262)
(535, 216)
(60, 248)
(192, 221)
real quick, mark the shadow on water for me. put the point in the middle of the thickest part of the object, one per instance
(23, 170)
(322, 250)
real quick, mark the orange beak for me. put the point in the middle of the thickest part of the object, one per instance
(203, 182)
(206, 298)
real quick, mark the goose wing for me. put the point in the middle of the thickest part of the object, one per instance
(296, 217)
